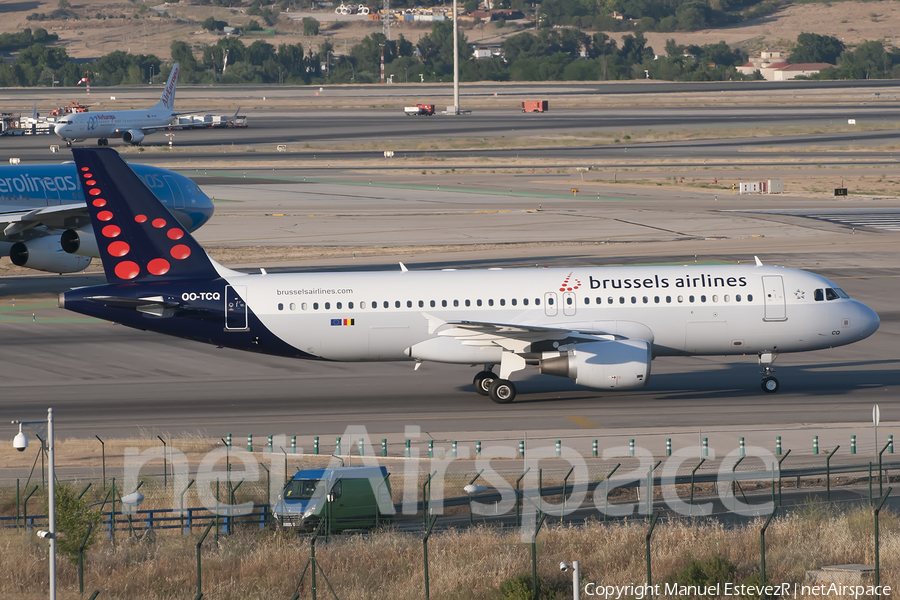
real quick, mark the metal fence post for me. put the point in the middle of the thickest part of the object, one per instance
(383, 447)
(316, 445)
(853, 444)
(472, 481)
(433, 520)
(691, 509)
(781, 460)
(566, 485)
(594, 451)
(762, 545)
(477, 448)
(407, 448)
(293, 444)
(81, 558)
(828, 473)
(103, 458)
(17, 503)
(668, 446)
(649, 570)
(606, 495)
(337, 446)
(778, 445)
(518, 507)
(430, 449)
(741, 445)
(815, 444)
(878, 545)
(426, 500)
(880, 472)
(249, 442)
(362, 446)
(534, 583)
(199, 575)
(165, 465)
(705, 447)
(631, 447)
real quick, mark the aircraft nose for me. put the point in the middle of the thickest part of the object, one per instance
(869, 321)
(59, 130)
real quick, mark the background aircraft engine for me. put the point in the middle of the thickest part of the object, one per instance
(133, 136)
(79, 241)
(46, 254)
(618, 364)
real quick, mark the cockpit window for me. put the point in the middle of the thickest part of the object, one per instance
(830, 294)
(841, 293)
(819, 295)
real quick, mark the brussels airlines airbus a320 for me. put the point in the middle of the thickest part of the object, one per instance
(130, 125)
(600, 326)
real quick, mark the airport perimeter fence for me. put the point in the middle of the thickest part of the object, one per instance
(454, 510)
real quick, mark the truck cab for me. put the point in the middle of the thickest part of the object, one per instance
(348, 497)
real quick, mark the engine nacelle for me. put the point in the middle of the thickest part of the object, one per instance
(617, 364)
(133, 136)
(79, 241)
(46, 254)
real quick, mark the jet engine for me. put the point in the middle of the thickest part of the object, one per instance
(46, 254)
(133, 136)
(79, 241)
(616, 364)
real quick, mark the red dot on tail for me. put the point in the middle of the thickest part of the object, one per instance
(159, 223)
(85, 169)
(104, 215)
(91, 182)
(175, 234)
(95, 192)
(111, 231)
(180, 252)
(158, 266)
(99, 202)
(127, 270)
(118, 248)
(141, 218)
(562, 289)
(87, 175)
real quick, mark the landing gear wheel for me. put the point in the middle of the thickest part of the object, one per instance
(483, 381)
(101, 142)
(502, 391)
(770, 385)
(68, 144)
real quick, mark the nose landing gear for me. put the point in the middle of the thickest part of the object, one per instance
(769, 383)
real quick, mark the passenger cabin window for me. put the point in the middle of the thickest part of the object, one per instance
(337, 305)
(569, 300)
(550, 300)
(478, 302)
(280, 306)
(409, 304)
(327, 305)
(315, 306)
(421, 304)
(537, 301)
(491, 302)
(432, 304)
(293, 306)
(513, 301)
(444, 303)
(525, 301)
(350, 304)
(303, 306)
(502, 302)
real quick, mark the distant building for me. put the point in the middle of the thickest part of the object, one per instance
(773, 65)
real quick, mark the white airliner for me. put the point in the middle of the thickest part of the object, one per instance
(130, 125)
(600, 326)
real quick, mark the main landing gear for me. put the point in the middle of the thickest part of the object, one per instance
(103, 142)
(499, 390)
(769, 384)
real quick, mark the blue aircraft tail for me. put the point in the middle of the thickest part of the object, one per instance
(138, 238)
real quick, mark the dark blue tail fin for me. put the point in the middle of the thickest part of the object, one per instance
(138, 238)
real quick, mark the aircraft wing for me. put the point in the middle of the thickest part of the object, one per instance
(13, 223)
(516, 337)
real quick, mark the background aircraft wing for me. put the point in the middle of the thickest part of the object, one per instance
(12, 223)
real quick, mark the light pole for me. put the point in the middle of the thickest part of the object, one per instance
(20, 442)
(455, 62)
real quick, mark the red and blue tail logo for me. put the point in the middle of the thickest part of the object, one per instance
(138, 238)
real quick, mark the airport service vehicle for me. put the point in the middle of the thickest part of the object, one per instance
(600, 326)
(419, 109)
(44, 222)
(535, 106)
(349, 497)
(130, 125)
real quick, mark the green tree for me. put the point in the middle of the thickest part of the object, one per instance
(73, 517)
(693, 15)
(310, 26)
(815, 48)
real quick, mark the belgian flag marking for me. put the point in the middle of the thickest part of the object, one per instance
(340, 322)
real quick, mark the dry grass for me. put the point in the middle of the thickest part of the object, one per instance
(467, 564)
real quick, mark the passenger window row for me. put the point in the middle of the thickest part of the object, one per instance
(668, 299)
(409, 304)
(525, 302)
